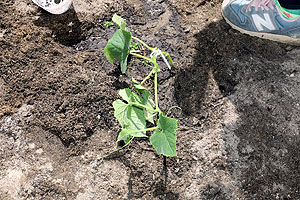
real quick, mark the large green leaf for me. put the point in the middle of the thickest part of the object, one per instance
(118, 48)
(136, 118)
(121, 112)
(164, 140)
(130, 96)
(119, 21)
(131, 119)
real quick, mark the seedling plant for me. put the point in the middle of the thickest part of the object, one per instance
(136, 108)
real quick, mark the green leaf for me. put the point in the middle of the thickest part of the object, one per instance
(125, 94)
(137, 86)
(108, 56)
(118, 48)
(131, 119)
(119, 21)
(147, 101)
(164, 140)
(136, 118)
(126, 135)
(123, 135)
(121, 112)
(130, 96)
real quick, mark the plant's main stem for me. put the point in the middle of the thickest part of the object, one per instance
(155, 91)
(155, 69)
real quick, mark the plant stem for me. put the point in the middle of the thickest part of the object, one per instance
(143, 130)
(143, 43)
(143, 57)
(151, 129)
(155, 90)
(149, 75)
(141, 105)
(115, 150)
(172, 108)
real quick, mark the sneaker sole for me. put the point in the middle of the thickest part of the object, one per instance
(57, 9)
(269, 36)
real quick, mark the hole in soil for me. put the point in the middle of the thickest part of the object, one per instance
(66, 28)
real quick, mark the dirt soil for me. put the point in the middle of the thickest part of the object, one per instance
(238, 135)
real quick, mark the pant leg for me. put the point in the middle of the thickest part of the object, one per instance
(290, 4)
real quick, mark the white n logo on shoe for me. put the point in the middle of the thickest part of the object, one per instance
(260, 22)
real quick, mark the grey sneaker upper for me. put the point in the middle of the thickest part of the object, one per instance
(260, 16)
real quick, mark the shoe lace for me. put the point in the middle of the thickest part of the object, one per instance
(263, 4)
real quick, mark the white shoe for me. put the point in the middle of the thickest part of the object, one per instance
(54, 6)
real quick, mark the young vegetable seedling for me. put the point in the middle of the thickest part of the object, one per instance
(136, 107)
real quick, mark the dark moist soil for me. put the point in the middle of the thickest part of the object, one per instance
(238, 135)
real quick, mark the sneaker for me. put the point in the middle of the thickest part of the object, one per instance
(263, 18)
(54, 6)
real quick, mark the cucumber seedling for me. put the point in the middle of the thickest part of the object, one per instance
(136, 108)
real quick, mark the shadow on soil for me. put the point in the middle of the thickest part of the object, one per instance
(138, 184)
(254, 75)
(161, 187)
(66, 28)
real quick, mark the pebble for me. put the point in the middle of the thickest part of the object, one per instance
(289, 48)
(39, 151)
(2, 34)
(77, 127)
(186, 30)
(31, 146)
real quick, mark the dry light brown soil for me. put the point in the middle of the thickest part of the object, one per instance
(238, 135)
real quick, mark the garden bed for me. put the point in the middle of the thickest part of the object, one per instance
(238, 130)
